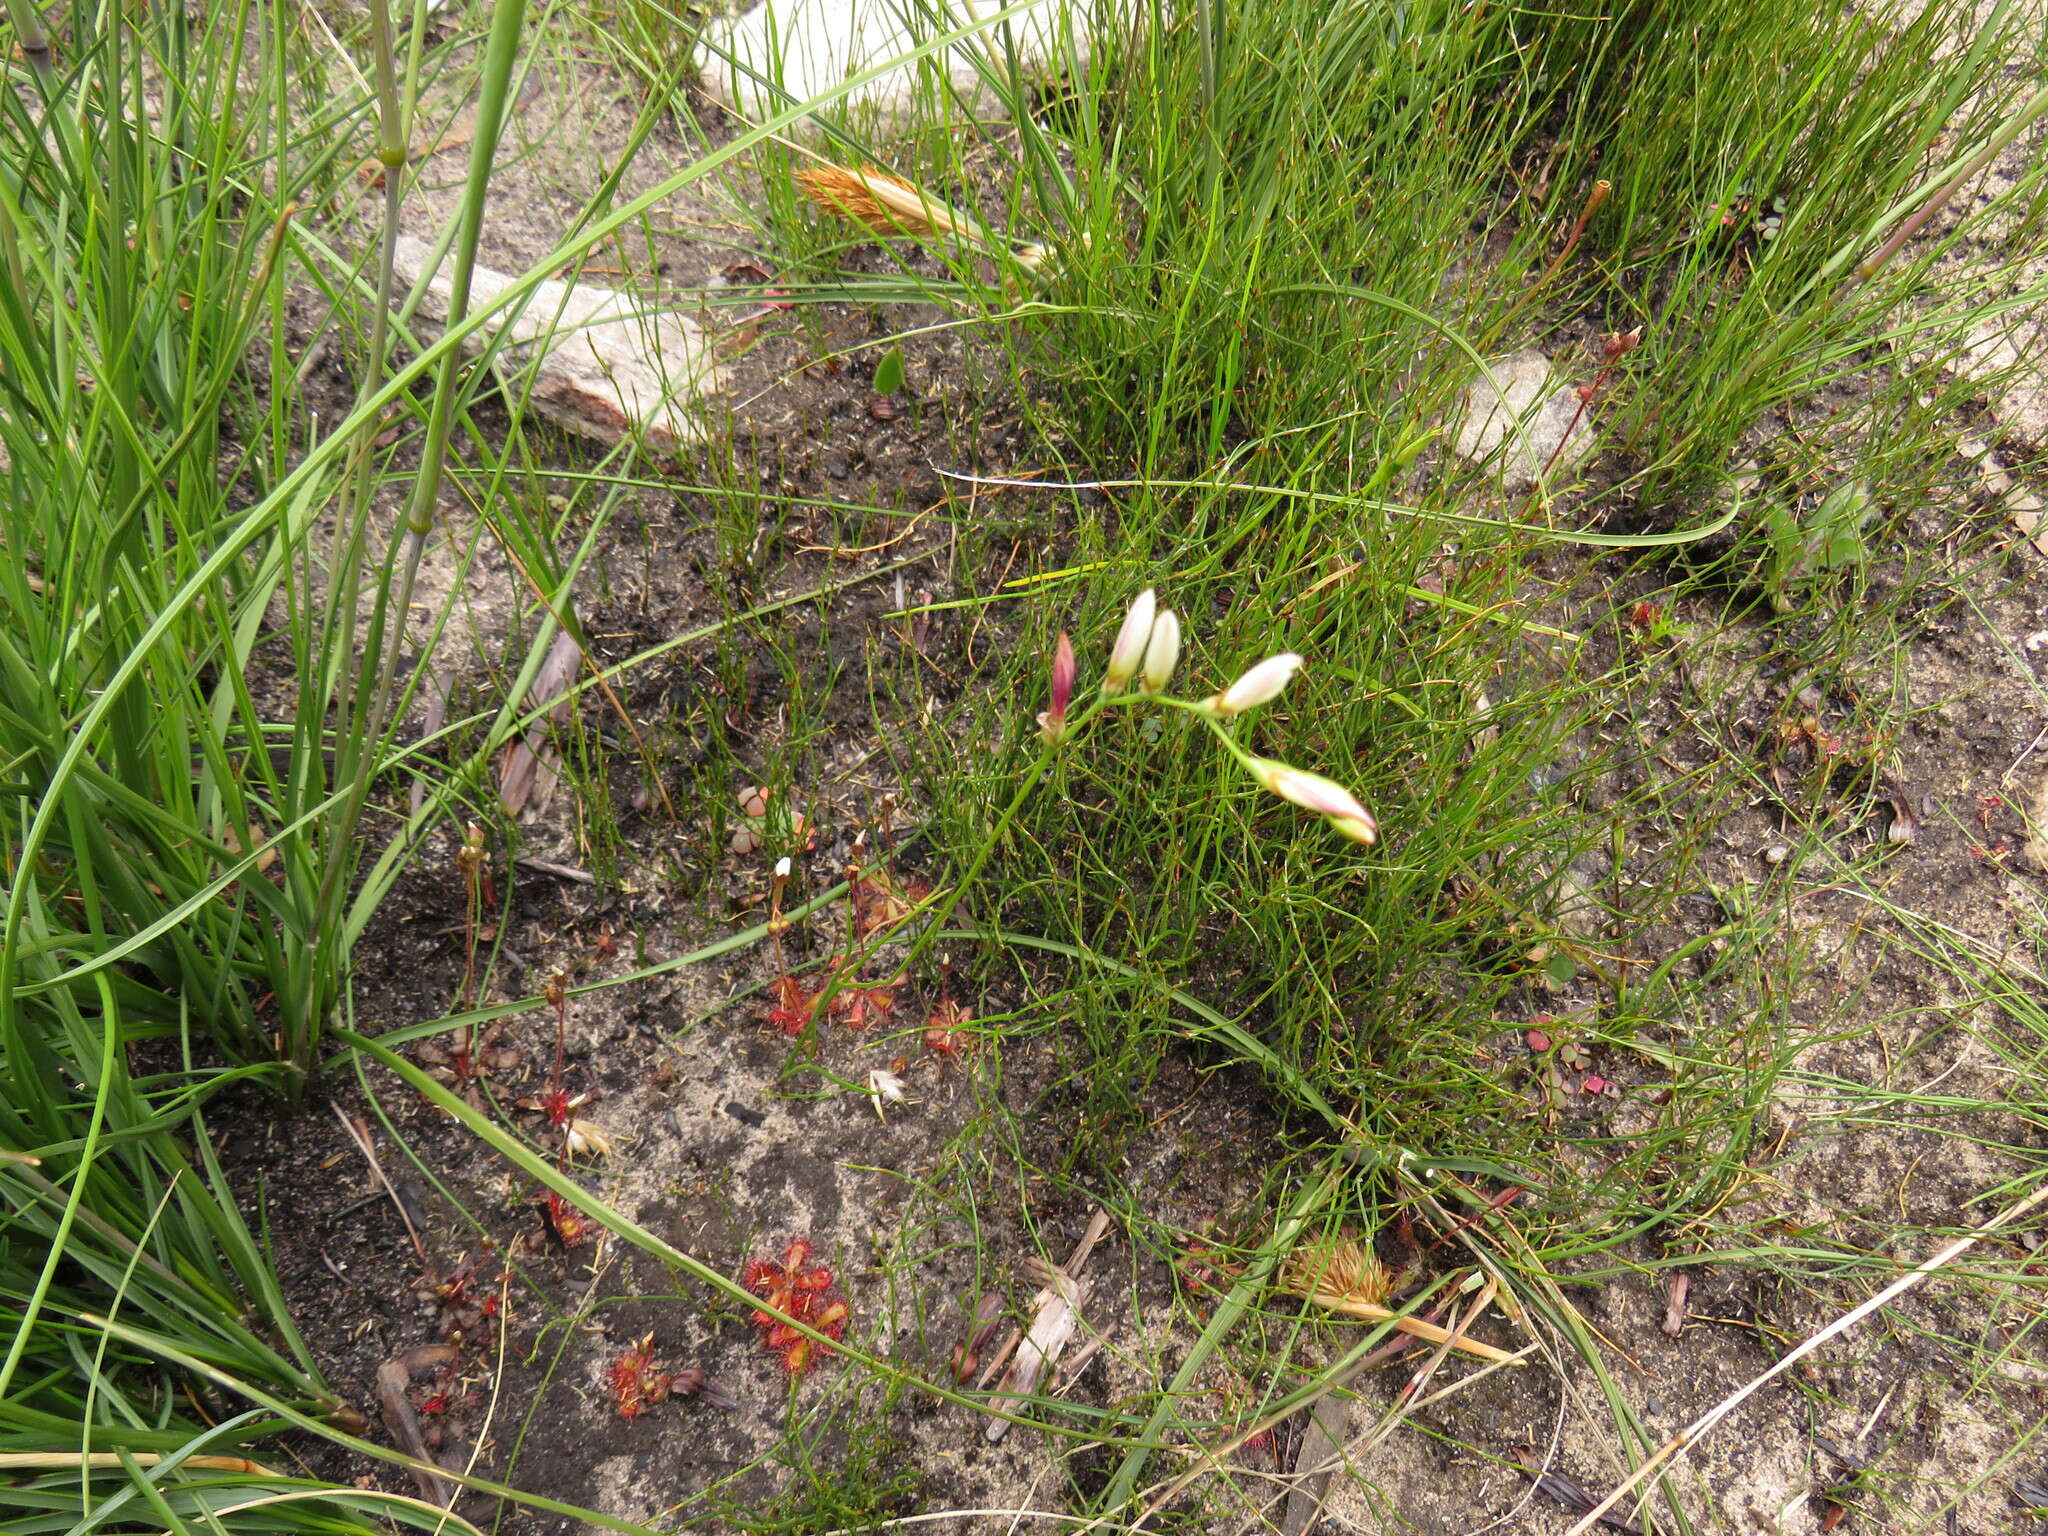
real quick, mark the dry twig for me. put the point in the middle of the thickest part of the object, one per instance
(1056, 1312)
(359, 1133)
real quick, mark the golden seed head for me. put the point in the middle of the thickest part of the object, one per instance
(886, 204)
(1342, 1267)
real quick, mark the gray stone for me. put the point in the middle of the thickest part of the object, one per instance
(809, 46)
(2010, 351)
(1517, 429)
(603, 365)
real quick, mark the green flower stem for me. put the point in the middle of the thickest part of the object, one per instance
(941, 908)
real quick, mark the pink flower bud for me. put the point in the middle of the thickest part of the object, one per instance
(1128, 653)
(1260, 685)
(1052, 724)
(1326, 797)
(1161, 652)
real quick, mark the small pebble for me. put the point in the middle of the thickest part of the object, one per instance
(1776, 853)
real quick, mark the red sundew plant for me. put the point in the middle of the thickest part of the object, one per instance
(559, 1107)
(789, 1005)
(445, 1394)
(797, 1288)
(881, 901)
(570, 1225)
(636, 1385)
(460, 1301)
(443, 1401)
(945, 1029)
(857, 1006)
(634, 1381)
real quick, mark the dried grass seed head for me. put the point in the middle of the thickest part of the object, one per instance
(885, 204)
(1341, 1267)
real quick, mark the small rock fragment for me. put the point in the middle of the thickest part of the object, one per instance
(2021, 505)
(2007, 351)
(1520, 430)
(603, 365)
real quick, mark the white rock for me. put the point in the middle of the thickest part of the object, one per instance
(2021, 505)
(2013, 347)
(809, 46)
(2025, 509)
(603, 365)
(1517, 429)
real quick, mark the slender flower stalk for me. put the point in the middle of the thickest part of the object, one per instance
(1148, 642)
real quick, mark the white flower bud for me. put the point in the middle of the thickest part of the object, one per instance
(1161, 652)
(1262, 684)
(1326, 797)
(1128, 653)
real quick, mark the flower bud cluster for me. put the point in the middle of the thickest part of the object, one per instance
(1146, 648)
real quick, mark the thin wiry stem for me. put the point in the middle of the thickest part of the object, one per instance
(393, 606)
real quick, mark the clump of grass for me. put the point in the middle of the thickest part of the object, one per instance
(1246, 368)
(166, 588)
(113, 1206)
(1260, 328)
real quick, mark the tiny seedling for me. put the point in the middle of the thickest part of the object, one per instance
(1828, 539)
(889, 372)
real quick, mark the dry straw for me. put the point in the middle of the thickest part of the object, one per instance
(1700, 1427)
